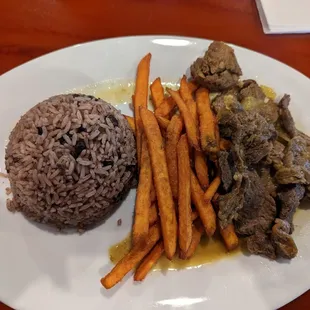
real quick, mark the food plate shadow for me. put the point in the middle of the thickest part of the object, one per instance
(112, 291)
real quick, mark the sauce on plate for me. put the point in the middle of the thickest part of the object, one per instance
(115, 92)
(208, 251)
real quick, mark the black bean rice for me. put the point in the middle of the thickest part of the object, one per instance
(70, 160)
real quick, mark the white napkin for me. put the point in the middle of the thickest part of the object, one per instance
(284, 16)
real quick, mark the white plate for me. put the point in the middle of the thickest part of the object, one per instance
(42, 270)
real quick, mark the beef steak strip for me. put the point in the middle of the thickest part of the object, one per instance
(227, 102)
(230, 204)
(284, 244)
(290, 199)
(226, 166)
(286, 118)
(296, 153)
(251, 89)
(251, 132)
(268, 181)
(296, 163)
(260, 244)
(218, 69)
(306, 138)
(276, 155)
(291, 175)
(259, 208)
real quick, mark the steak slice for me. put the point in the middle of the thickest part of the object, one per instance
(218, 69)
(251, 89)
(227, 102)
(291, 175)
(297, 153)
(260, 244)
(304, 137)
(268, 181)
(286, 118)
(296, 163)
(253, 99)
(290, 200)
(259, 208)
(226, 165)
(250, 133)
(284, 244)
(230, 204)
(276, 155)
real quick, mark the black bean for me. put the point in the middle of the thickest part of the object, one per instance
(131, 168)
(102, 130)
(62, 141)
(134, 171)
(79, 147)
(40, 131)
(113, 120)
(81, 129)
(107, 163)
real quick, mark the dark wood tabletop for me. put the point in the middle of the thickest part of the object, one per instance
(31, 28)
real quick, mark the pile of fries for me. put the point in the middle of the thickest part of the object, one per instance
(177, 148)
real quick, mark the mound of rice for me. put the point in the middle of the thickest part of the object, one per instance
(70, 160)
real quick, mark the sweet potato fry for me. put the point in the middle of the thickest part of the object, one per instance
(187, 97)
(192, 107)
(184, 200)
(166, 108)
(185, 92)
(172, 138)
(149, 261)
(229, 236)
(131, 122)
(157, 93)
(162, 122)
(197, 233)
(204, 209)
(212, 189)
(194, 215)
(192, 86)
(153, 214)
(161, 181)
(201, 169)
(207, 122)
(190, 125)
(225, 145)
(130, 260)
(153, 193)
(140, 227)
(141, 97)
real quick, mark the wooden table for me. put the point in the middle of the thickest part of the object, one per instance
(31, 28)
